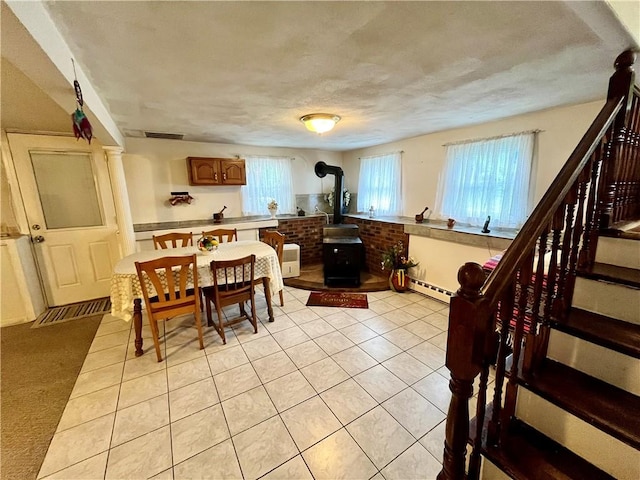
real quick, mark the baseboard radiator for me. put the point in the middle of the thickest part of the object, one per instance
(439, 293)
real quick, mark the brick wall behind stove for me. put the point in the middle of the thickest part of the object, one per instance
(378, 237)
(307, 232)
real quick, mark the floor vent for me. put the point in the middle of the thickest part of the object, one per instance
(73, 311)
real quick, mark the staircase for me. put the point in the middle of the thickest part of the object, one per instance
(578, 415)
(557, 323)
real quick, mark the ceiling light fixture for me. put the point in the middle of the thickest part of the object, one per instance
(320, 122)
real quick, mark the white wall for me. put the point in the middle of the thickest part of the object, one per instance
(156, 167)
(423, 157)
(439, 260)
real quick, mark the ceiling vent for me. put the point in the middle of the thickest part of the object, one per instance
(169, 136)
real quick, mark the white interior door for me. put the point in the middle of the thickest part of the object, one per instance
(66, 192)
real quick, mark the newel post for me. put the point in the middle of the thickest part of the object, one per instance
(468, 327)
(621, 85)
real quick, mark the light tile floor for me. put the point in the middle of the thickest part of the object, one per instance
(320, 393)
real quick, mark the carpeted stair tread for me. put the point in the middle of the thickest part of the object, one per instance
(527, 454)
(623, 337)
(609, 408)
(613, 273)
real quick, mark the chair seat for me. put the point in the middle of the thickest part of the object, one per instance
(189, 294)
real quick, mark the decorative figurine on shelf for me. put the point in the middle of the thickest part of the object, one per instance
(485, 229)
(420, 216)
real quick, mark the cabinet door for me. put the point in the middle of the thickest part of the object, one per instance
(233, 172)
(204, 171)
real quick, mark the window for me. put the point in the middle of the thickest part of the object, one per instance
(268, 178)
(380, 184)
(487, 177)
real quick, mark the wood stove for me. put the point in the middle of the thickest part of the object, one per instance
(342, 249)
(342, 253)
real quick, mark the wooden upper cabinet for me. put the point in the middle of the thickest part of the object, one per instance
(216, 171)
(233, 172)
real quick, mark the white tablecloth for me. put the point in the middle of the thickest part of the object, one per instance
(125, 285)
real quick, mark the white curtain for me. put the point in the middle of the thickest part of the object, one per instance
(380, 184)
(487, 177)
(268, 178)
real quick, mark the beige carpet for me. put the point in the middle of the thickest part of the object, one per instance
(38, 368)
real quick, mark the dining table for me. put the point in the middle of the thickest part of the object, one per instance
(126, 292)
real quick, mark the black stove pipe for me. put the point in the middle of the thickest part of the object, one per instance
(321, 170)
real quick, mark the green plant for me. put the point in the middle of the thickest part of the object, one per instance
(396, 258)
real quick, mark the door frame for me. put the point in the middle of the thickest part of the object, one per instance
(20, 210)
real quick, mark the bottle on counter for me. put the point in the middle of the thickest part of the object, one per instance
(371, 212)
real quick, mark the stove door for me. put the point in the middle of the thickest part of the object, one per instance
(342, 263)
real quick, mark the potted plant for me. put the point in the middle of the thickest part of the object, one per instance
(398, 262)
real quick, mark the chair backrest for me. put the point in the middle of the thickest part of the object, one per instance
(276, 240)
(223, 234)
(172, 240)
(233, 278)
(164, 284)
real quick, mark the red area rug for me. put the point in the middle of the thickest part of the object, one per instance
(334, 299)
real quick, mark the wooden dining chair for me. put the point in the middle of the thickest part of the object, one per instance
(164, 287)
(276, 240)
(223, 234)
(172, 240)
(232, 284)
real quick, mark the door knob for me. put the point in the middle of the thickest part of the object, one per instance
(35, 226)
(38, 239)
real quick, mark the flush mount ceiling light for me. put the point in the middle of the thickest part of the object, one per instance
(320, 122)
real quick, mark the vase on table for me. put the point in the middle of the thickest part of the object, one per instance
(273, 211)
(399, 280)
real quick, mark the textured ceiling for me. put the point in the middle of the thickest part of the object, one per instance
(244, 72)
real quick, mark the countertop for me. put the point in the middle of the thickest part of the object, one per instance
(437, 229)
(497, 238)
(147, 227)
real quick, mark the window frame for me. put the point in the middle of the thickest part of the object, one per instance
(268, 178)
(488, 177)
(380, 184)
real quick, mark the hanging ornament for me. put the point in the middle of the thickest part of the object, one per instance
(81, 126)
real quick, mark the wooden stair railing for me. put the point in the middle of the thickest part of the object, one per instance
(535, 278)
